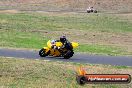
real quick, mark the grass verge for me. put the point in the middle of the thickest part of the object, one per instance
(32, 30)
(102, 49)
(23, 73)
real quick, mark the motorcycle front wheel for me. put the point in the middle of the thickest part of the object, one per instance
(42, 53)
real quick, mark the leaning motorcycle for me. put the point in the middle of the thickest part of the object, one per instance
(59, 51)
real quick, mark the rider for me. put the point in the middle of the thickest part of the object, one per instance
(53, 44)
(66, 43)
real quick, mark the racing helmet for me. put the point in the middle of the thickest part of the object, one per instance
(63, 39)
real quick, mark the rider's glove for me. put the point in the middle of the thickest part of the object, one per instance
(63, 46)
(55, 47)
(58, 47)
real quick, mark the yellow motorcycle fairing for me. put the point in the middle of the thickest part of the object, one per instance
(59, 44)
(55, 52)
(49, 44)
(52, 51)
(46, 49)
(74, 44)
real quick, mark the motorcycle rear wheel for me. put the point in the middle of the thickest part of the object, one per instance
(95, 11)
(68, 54)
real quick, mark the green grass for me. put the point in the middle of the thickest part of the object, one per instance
(25, 21)
(20, 73)
(20, 39)
(95, 22)
(101, 49)
(27, 30)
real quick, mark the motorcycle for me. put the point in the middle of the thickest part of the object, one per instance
(58, 51)
(91, 9)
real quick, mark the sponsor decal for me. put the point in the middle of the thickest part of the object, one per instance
(83, 77)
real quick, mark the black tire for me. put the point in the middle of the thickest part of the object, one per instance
(81, 80)
(68, 54)
(95, 11)
(92, 11)
(42, 53)
(88, 11)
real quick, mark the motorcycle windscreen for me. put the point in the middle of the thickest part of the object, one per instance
(49, 44)
(74, 44)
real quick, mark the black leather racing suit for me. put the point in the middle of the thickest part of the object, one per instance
(67, 45)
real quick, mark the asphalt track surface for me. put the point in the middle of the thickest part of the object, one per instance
(78, 57)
